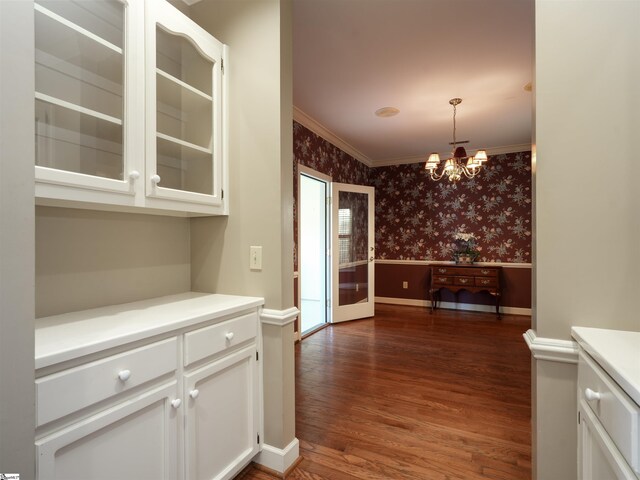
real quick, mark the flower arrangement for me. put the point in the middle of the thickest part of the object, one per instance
(465, 250)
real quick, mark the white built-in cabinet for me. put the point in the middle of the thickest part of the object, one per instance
(130, 108)
(608, 404)
(167, 388)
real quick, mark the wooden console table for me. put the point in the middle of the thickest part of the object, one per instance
(473, 278)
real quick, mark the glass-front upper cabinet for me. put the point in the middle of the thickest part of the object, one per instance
(129, 108)
(87, 61)
(185, 128)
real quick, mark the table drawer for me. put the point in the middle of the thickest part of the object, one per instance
(489, 282)
(216, 338)
(68, 391)
(443, 270)
(619, 415)
(442, 280)
(485, 272)
(464, 281)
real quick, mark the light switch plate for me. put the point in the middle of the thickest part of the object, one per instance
(255, 258)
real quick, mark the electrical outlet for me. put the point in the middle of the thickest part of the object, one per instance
(255, 258)
(405, 284)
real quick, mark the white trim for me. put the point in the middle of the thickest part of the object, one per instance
(470, 307)
(278, 459)
(552, 349)
(434, 262)
(322, 131)
(524, 147)
(454, 306)
(279, 317)
(310, 172)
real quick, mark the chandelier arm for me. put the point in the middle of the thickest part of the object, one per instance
(436, 177)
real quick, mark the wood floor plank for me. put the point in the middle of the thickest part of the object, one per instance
(410, 394)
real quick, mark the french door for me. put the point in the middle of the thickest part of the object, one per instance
(352, 248)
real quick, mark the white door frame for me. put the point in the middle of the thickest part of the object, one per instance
(340, 313)
(309, 172)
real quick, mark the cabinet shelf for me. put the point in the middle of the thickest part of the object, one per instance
(184, 112)
(75, 139)
(68, 41)
(181, 143)
(103, 18)
(180, 83)
(78, 108)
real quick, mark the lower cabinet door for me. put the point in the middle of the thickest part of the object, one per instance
(598, 457)
(222, 416)
(136, 439)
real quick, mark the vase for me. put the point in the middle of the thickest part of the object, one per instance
(464, 258)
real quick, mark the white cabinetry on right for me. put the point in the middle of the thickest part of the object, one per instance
(130, 108)
(608, 415)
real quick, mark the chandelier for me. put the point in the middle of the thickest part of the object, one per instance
(459, 163)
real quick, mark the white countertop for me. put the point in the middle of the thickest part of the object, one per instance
(71, 335)
(617, 352)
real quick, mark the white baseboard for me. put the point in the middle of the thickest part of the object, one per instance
(454, 306)
(552, 349)
(276, 459)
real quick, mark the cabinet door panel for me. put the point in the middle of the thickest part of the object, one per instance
(598, 457)
(184, 109)
(89, 98)
(222, 421)
(135, 440)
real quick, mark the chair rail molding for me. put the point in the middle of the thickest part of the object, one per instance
(551, 349)
(279, 317)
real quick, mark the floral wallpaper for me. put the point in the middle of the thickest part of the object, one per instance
(417, 218)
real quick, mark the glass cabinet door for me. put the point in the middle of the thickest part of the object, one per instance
(81, 75)
(184, 109)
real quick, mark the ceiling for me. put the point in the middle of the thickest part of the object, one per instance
(352, 57)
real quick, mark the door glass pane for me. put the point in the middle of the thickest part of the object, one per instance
(313, 247)
(353, 244)
(79, 72)
(183, 168)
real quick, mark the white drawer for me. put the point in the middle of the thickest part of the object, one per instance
(216, 338)
(619, 415)
(65, 392)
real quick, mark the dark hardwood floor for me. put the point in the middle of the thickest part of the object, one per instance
(409, 394)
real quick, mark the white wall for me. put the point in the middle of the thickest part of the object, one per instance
(17, 411)
(87, 259)
(258, 33)
(587, 197)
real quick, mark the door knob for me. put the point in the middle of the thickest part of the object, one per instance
(194, 393)
(175, 403)
(155, 179)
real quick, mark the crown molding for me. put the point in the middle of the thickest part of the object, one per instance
(322, 131)
(523, 147)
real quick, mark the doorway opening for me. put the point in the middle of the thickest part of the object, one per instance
(313, 238)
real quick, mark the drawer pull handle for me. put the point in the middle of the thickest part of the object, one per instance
(124, 375)
(463, 280)
(229, 336)
(194, 393)
(591, 395)
(175, 403)
(484, 272)
(442, 270)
